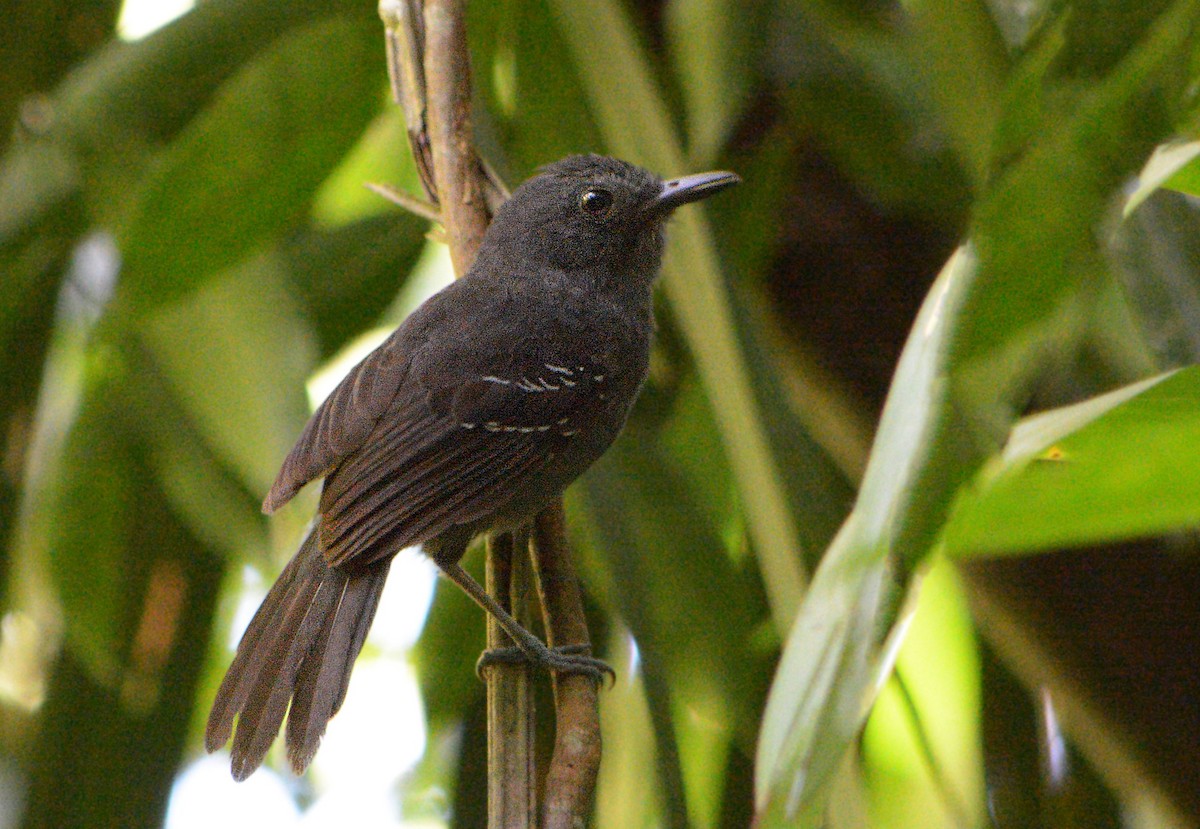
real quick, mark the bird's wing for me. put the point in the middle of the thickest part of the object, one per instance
(464, 433)
(341, 424)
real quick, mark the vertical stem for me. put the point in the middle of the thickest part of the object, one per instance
(512, 802)
(404, 38)
(575, 765)
(456, 169)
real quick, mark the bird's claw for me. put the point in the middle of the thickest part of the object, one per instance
(567, 659)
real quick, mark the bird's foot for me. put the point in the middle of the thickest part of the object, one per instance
(567, 659)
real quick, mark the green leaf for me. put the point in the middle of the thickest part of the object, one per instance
(1032, 261)
(1186, 179)
(216, 506)
(679, 579)
(1115, 467)
(116, 108)
(709, 42)
(236, 355)
(89, 519)
(532, 89)
(1102, 33)
(116, 111)
(837, 653)
(248, 164)
(822, 687)
(148, 90)
(1172, 165)
(347, 277)
(1026, 93)
(111, 745)
(945, 36)
(997, 308)
(821, 461)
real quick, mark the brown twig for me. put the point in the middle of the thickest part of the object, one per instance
(404, 34)
(424, 209)
(456, 169)
(512, 801)
(574, 767)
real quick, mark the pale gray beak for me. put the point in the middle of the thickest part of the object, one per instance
(691, 188)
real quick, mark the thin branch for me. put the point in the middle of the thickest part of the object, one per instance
(424, 209)
(456, 169)
(512, 800)
(404, 33)
(575, 765)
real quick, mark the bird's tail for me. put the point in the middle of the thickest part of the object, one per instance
(298, 649)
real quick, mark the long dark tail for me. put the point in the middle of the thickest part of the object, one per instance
(299, 648)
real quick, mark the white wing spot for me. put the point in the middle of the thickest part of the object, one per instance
(569, 383)
(559, 369)
(599, 378)
(468, 425)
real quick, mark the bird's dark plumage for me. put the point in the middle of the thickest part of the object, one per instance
(475, 414)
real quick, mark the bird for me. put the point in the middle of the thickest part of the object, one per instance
(476, 413)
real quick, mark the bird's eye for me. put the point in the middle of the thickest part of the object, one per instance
(596, 203)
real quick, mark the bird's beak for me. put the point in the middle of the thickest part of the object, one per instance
(691, 188)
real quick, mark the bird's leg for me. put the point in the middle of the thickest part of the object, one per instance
(567, 660)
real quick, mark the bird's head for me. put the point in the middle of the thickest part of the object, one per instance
(596, 214)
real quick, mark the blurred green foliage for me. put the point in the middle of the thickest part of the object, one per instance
(184, 240)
